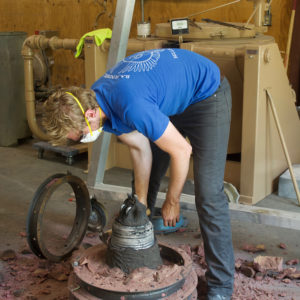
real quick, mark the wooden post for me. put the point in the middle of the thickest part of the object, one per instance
(283, 145)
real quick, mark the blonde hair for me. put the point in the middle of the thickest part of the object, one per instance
(62, 113)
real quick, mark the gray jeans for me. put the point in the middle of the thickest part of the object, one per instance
(207, 125)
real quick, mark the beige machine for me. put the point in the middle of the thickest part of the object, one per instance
(252, 67)
(261, 94)
(252, 63)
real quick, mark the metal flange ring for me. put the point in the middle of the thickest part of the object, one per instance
(37, 208)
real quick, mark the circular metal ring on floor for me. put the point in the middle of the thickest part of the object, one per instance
(187, 292)
(36, 211)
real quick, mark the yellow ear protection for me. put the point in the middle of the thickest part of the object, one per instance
(86, 120)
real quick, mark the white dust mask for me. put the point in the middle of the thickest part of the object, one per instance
(91, 136)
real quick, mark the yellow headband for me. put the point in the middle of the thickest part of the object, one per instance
(79, 104)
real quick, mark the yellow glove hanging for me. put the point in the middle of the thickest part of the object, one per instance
(99, 35)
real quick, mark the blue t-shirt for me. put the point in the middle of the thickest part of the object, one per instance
(143, 90)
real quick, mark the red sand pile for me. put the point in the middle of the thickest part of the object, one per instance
(263, 279)
(24, 276)
(93, 269)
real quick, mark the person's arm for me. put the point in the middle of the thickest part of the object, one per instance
(141, 155)
(180, 151)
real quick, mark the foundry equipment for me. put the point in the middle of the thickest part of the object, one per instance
(49, 234)
(83, 284)
(150, 270)
(131, 246)
(252, 63)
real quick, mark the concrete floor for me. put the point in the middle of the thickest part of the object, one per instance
(21, 173)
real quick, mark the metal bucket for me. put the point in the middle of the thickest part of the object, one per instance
(13, 121)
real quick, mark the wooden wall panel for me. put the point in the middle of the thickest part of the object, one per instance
(73, 18)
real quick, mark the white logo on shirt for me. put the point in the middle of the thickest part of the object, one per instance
(139, 62)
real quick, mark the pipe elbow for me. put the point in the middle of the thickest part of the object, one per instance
(38, 42)
(26, 51)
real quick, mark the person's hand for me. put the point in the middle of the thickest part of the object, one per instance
(170, 213)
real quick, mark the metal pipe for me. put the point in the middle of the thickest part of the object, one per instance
(259, 12)
(251, 16)
(142, 9)
(38, 42)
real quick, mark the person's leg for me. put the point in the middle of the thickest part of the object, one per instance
(207, 126)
